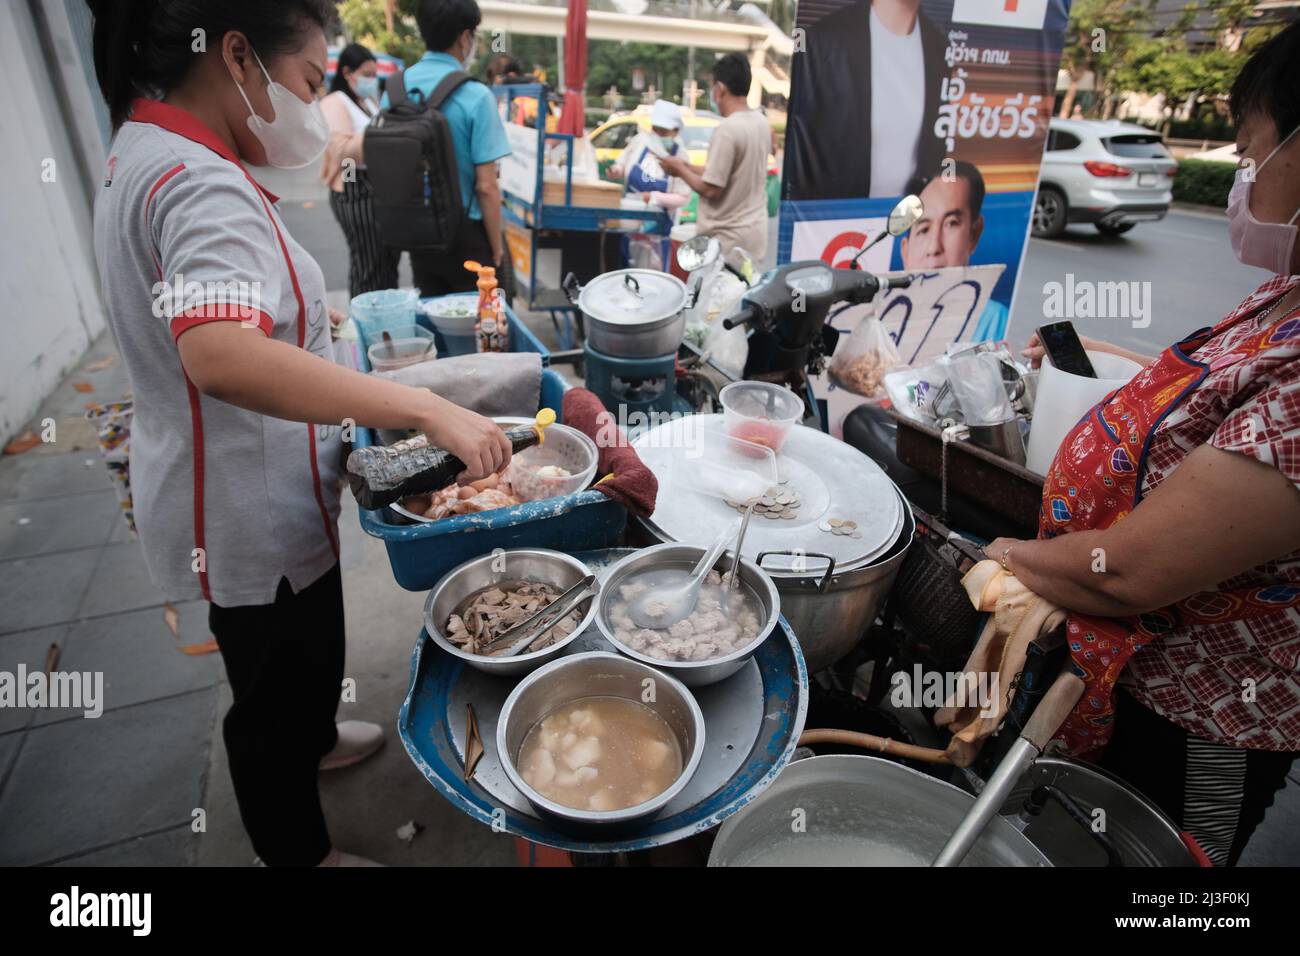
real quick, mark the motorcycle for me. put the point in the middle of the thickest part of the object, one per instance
(784, 314)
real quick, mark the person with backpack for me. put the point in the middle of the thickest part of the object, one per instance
(439, 81)
(349, 108)
(240, 409)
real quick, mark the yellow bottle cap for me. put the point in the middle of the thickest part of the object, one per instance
(545, 418)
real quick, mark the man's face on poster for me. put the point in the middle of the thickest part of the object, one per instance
(947, 233)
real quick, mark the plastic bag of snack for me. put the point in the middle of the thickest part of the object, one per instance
(861, 363)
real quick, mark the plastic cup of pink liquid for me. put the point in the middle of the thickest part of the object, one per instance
(760, 412)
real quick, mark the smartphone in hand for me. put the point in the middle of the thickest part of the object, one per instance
(1062, 345)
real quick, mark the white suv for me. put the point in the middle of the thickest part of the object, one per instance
(1107, 173)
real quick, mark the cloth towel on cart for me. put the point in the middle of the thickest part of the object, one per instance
(625, 478)
(494, 384)
(1017, 617)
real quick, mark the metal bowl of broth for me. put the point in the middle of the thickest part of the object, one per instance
(598, 680)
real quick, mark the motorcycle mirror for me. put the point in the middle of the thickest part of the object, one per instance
(904, 215)
(697, 252)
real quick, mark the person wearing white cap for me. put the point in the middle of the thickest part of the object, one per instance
(640, 160)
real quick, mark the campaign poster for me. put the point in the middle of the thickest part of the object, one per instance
(946, 99)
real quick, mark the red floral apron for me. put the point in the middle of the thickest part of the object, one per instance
(1095, 481)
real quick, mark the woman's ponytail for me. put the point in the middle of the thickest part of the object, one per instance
(121, 31)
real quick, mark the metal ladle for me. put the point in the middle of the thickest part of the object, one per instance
(665, 605)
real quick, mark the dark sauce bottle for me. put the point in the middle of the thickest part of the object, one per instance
(382, 474)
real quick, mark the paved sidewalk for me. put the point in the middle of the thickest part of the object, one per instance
(123, 788)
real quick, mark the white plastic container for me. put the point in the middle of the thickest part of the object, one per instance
(1064, 398)
(455, 316)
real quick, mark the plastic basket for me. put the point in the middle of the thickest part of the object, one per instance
(420, 554)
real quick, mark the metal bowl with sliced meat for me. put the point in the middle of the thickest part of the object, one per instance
(480, 600)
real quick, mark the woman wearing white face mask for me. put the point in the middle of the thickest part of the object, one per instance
(239, 408)
(1170, 523)
(351, 105)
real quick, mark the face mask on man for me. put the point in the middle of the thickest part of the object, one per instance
(298, 133)
(471, 54)
(669, 142)
(367, 87)
(1268, 245)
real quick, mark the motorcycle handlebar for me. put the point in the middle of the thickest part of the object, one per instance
(743, 316)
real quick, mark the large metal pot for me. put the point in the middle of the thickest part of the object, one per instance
(830, 609)
(860, 811)
(831, 585)
(632, 313)
(1137, 830)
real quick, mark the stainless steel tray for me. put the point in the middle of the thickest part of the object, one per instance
(753, 720)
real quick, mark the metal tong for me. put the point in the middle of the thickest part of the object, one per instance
(527, 631)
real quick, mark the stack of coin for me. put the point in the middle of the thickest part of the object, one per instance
(780, 502)
(840, 526)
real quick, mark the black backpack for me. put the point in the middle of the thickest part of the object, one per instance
(411, 164)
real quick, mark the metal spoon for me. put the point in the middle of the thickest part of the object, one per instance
(676, 601)
(734, 575)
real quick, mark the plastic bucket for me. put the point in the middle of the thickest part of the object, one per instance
(384, 310)
(1063, 399)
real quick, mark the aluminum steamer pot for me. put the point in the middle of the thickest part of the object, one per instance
(861, 811)
(831, 585)
(632, 313)
(830, 609)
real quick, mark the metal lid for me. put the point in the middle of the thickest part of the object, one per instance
(633, 297)
(830, 481)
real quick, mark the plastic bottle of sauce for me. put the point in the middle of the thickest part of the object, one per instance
(488, 335)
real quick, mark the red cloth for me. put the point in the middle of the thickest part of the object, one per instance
(573, 117)
(634, 486)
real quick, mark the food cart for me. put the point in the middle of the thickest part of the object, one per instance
(826, 533)
(557, 224)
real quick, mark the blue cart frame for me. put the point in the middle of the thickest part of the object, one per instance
(537, 217)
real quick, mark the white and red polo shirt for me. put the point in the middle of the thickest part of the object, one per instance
(227, 501)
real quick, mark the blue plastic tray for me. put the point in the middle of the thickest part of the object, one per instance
(753, 720)
(420, 554)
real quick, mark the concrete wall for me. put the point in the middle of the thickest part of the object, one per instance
(50, 306)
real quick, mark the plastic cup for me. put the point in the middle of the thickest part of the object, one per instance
(760, 413)
(384, 310)
(410, 345)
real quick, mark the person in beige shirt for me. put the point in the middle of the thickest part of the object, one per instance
(733, 202)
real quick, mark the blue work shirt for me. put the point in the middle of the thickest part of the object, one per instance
(992, 325)
(471, 111)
